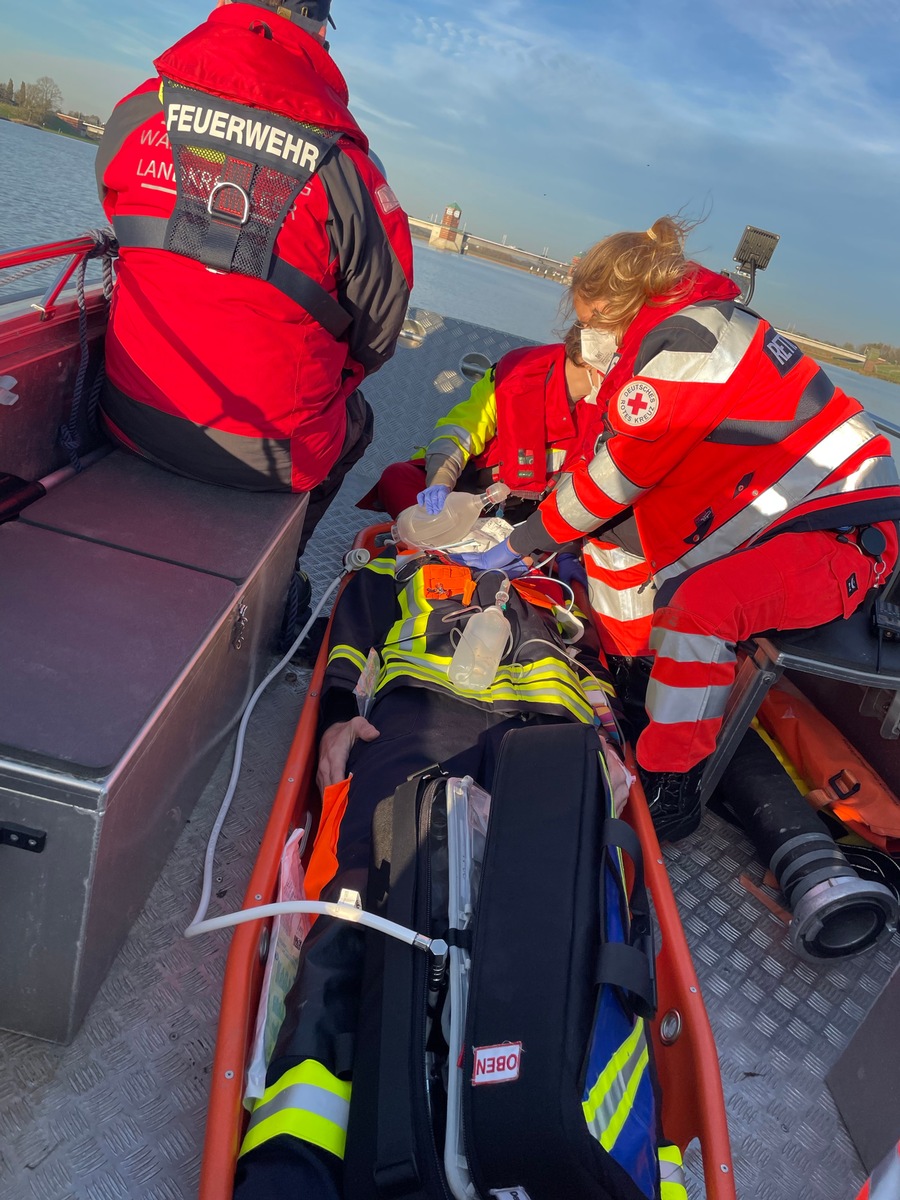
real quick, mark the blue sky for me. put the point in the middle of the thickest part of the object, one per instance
(558, 123)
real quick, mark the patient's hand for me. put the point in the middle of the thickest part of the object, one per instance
(620, 777)
(334, 749)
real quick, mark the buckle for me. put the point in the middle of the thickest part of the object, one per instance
(224, 213)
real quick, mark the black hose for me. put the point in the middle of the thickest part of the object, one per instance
(835, 912)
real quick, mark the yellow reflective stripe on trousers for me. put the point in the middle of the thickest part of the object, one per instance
(672, 1184)
(349, 652)
(537, 683)
(308, 1103)
(610, 1100)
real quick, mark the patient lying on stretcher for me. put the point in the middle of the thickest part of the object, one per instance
(391, 706)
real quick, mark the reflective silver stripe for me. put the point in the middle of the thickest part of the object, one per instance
(446, 448)
(879, 471)
(605, 1112)
(733, 337)
(555, 460)
(463, 435)
(669, 705)
(671, 1173)
(790, 490)
(885, 1181)
(305, 1097)
(627, 604)
(612, 558)
(607, 476)
(572, 511)
(690, 647)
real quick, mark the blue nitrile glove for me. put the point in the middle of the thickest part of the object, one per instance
(498, 558)
(571, 569)
(434, 497)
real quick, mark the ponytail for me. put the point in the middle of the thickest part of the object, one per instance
(628, 270)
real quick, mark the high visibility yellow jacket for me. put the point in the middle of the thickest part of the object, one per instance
(396, 607)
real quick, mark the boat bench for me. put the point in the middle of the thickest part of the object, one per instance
(845, 649)
(139, 611)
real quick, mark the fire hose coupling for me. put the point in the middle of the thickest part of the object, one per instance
(835, 912)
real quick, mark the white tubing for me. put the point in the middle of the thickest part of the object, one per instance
(324, 908)
(206, 892)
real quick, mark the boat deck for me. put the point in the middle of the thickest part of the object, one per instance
(120, 1112)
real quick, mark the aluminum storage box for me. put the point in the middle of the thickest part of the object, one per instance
(139, 611)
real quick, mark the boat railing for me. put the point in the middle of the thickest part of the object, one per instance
(888, 427)
(34, 260)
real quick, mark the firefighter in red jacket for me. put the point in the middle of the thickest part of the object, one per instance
(522, 422)
(763, 496)
(265, 264)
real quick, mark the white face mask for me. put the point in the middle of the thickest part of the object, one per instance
(595, 381)
(598, 348)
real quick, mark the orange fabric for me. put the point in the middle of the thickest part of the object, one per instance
(542, 593)
(323, 859)
(822, 754)
(443, 580)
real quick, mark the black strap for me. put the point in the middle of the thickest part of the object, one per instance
(149, 233)
(630, 965)
(396, 1170)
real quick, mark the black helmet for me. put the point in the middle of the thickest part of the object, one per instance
(310, 15)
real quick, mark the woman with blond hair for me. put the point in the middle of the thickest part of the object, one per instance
(763, 496)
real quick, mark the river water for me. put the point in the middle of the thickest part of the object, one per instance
(49, 192)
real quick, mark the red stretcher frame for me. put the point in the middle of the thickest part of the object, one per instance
(693, 1100)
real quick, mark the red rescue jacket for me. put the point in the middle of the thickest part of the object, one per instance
(718, 430)
(222, 375)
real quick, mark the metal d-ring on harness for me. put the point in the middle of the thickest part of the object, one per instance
(68, 433)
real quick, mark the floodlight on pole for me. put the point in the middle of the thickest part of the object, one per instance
(754, 251)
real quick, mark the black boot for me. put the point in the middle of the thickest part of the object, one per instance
(673, 798)
(296, 610)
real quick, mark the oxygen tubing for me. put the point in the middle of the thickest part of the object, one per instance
(324, 908)
(352, 562)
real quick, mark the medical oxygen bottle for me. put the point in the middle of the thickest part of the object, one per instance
(482, 644)
(438, 531)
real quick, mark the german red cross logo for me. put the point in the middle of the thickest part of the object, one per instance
(638, 403)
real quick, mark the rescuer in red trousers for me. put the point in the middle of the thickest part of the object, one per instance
(763, 496)
(264, 263)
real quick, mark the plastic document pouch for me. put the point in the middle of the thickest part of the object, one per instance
(468, 808)
(286, 938)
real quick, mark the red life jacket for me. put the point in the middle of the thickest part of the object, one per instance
(223, 358)
(533, 416)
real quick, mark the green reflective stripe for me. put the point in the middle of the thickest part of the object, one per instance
(349, 652)
(611, 1099)
(674, 705)
(408, 634)
(672, 1183)
(381, 566)
(308, 1103)
(544, 684)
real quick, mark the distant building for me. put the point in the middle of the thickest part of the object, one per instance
(447, 235)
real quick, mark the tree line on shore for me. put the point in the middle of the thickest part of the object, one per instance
(39, 100)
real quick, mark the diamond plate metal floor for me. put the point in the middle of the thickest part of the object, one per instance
(120, 1113)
